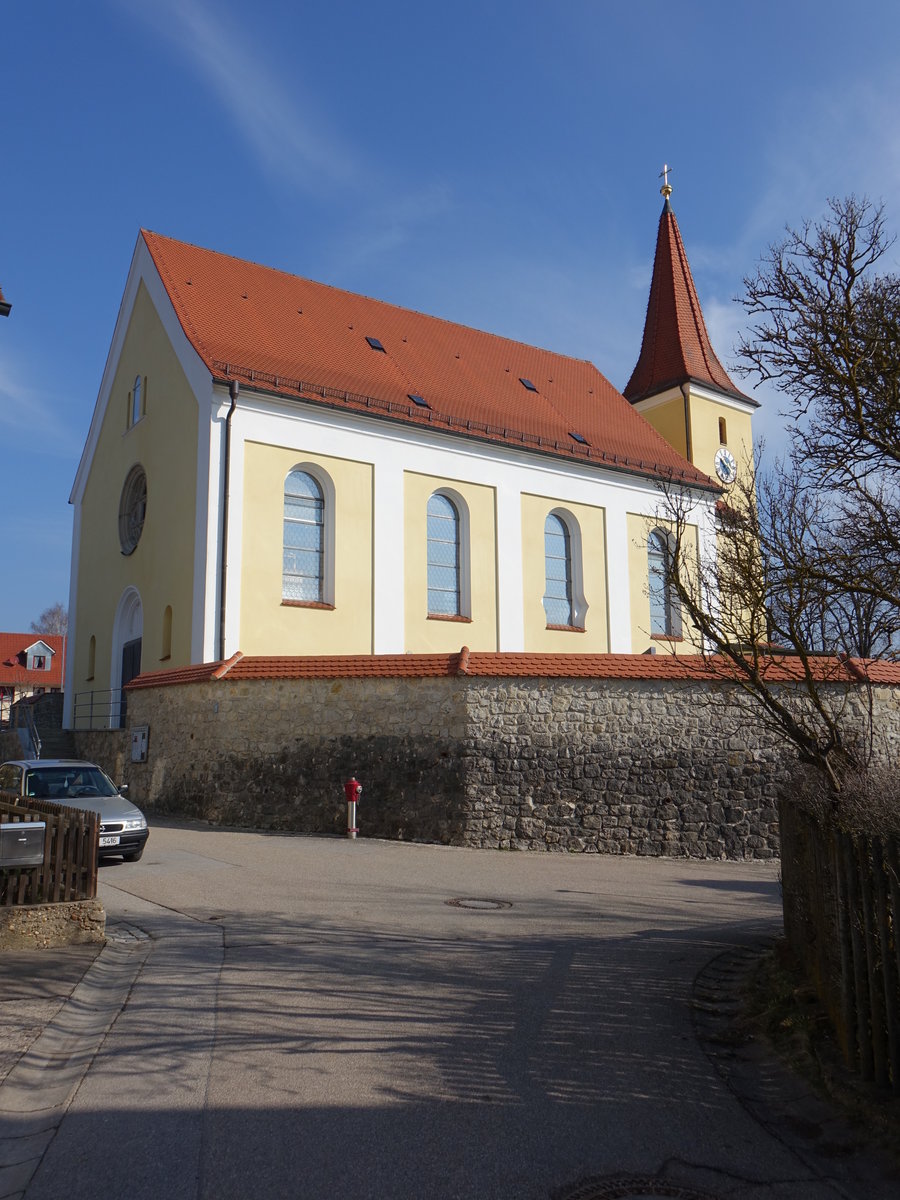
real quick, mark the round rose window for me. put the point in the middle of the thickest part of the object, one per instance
(132, 509)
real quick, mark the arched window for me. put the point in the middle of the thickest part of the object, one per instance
(132, 509)
(664, 609)
(443, 557)
(136, 400)
(167, 633)
(303, 568)
(557, 572)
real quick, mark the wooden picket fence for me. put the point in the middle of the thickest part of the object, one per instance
(69, 871)
(842, 922)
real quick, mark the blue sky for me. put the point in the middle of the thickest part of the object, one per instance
(492, 163)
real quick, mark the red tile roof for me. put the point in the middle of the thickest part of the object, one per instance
(12, 648)
(497, 665)
(290, 336)
(676, 348)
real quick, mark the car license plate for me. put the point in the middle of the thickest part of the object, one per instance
(110, 841)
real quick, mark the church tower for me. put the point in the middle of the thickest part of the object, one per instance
(679, 385)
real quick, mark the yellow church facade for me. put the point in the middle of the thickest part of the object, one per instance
(281, 468)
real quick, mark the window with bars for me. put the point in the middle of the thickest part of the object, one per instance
(303, 574)
(557, 572)
(443, 557)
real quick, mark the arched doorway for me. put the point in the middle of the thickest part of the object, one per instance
(128, 631)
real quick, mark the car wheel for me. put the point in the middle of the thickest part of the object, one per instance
(133, 855)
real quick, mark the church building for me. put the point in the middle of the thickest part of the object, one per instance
(283, 468)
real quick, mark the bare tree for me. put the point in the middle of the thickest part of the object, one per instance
(764, 615)
(807, 573)
(825, 328)
(53, 620)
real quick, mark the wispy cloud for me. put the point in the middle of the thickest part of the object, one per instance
(288, 131)
(832, 142)
(25, 409)
(841, 141)
(288, 141)
(389, 225)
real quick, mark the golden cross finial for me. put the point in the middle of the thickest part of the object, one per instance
(666, 189)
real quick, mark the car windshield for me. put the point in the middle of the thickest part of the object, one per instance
(67, 783)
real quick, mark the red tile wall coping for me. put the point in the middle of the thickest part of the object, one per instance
(499, 665)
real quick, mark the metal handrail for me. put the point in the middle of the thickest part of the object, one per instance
(32, 729)
(22, 717)
(102, 709)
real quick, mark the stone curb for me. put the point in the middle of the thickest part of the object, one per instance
(36, 1093)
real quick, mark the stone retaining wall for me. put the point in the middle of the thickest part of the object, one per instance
(629, 766)
(632, 767)
(105, 747)
(275, 754)
(10, 745)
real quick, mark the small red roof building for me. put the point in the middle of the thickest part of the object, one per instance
(30, 663)
(31, 660)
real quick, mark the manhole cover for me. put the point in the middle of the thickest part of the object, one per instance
(629, 1187)
(474, 902)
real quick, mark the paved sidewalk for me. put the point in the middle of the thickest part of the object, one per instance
(309, 1018)
(76, 1015)
(34, 985)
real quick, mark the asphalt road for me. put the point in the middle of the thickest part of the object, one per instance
(310, 1018)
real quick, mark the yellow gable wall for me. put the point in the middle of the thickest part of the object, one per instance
(668, 421)
(639, 528)
(705, 441)
(591, 524)
(164, 442)
(269, 626)
(426, 634)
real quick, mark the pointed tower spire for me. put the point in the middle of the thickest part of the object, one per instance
(676, 348)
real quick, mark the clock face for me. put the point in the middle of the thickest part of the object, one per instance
(726, 467)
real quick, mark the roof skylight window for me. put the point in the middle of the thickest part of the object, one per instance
(527, 383)
(420, 400)
(579, 438)
(376, 345)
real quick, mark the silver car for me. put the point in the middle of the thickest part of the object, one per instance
(123, 827)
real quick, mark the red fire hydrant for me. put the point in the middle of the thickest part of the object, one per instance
(352, 791)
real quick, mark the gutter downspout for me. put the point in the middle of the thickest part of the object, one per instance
(233, 390)
(688, 437)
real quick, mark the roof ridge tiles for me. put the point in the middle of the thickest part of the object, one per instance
(190, 329)
(391, 304)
